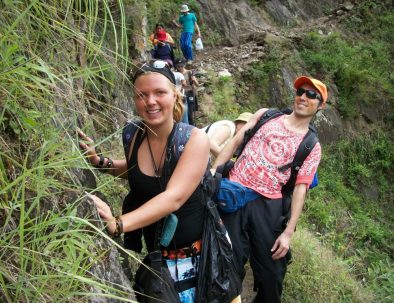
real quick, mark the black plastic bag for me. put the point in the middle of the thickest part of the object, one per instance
(154, 284)
(218, 280)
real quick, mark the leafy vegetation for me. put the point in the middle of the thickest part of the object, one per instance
(316, 275)
(361, 67)
(53, 63)
(261, 72)
(353, 212)
(223, 98)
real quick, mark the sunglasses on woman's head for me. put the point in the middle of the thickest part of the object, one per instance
(157, 66)
(310, 94)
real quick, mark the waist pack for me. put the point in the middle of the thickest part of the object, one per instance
(232, 196)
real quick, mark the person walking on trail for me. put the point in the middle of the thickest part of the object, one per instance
(221, 132)
(189, 90)
(180, 84)
(188, 22)
(255, 229)
(159, 186)
(163, 50)
(153, 37)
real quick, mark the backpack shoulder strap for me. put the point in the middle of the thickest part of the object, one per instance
(304, 149)
(176, 144)
(208, 127)
(129, 130)
(268, 115)
(181, 136)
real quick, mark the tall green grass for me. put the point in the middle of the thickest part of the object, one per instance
(352, 209)
(317, 275)
(54, 60)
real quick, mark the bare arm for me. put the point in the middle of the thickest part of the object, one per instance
(195, 81)
(282, 243)
(230, 148)
(197, 29)
(184, 180)
(218, 138)
(176, 23)
(118, 168)
(170, 40)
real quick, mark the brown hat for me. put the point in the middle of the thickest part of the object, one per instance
(320, 86)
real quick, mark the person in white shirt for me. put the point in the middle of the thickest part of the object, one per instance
(220, 132)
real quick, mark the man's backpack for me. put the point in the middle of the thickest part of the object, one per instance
(304, 149)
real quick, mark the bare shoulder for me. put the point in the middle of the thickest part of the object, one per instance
(256, 116)
(199, 135)
(260, 112)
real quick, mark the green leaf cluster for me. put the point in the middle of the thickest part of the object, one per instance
(352, 208)
(360, 65)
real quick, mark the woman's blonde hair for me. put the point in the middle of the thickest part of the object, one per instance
(178, 107)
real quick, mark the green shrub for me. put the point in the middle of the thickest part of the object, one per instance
(361, 70)
(223, 97)
(315, 275)
(260, 73)
(358, 227)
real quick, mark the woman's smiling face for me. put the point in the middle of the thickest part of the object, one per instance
(154, 97)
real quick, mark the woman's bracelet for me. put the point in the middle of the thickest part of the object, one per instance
(101, 166)
(118, 227)
(101, 162)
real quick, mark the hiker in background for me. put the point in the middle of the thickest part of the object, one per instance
(180, 84)
(163, 50)
(153, 37)
(255, 229)
(188, 22)
(221, 132)
(190, 89)
(160, 182)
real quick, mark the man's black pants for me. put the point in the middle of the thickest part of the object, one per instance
(253, 231)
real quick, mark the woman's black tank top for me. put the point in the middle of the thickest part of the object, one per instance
(144, 188)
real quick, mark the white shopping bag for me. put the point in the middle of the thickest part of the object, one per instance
(199, 45)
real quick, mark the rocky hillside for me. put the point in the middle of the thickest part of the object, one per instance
(249, 32)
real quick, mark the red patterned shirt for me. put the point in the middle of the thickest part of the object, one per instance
(272, 147)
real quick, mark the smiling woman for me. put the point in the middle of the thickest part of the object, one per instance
(164, 178)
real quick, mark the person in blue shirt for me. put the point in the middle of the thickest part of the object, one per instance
(188, 22)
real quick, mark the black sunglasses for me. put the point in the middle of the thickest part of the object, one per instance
(310, 94)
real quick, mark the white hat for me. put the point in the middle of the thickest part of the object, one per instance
(184, 8)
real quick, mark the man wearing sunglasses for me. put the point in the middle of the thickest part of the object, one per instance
(254, 230)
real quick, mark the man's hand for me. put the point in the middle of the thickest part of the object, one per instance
(281, 246)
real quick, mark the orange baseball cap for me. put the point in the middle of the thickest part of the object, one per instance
(320, 86)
